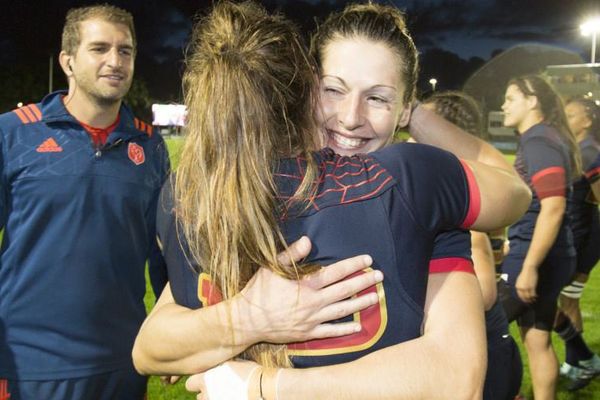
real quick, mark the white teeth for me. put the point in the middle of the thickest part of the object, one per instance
(347, 142)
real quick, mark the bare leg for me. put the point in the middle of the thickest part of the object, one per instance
(543, 363)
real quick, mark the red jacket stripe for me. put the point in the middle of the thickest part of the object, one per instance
(36, 111)
(22, 116)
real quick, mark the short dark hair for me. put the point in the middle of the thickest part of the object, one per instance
(71, 38)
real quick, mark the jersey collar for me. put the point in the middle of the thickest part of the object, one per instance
(54, 110)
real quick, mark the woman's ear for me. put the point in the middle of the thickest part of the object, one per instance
(532, 102)
(404, 117)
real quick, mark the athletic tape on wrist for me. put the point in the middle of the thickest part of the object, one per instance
(223, 383)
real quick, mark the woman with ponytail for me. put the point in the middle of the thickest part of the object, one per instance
(541, 259)
(250, 88)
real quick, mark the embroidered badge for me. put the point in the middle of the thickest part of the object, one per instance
(136, 153)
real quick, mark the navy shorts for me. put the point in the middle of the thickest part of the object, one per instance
(554, 274)
(588, 250)
(504, 372)
(117, 385)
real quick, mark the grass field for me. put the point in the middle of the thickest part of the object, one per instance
(591, 315)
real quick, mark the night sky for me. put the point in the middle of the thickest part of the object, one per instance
(454, 37)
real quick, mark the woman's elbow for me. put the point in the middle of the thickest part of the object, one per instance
(140, 359)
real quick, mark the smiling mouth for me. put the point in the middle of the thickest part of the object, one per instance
(346, 142)
(115, 78)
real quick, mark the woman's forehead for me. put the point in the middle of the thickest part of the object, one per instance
(359, 58)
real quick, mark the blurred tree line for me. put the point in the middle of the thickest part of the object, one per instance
(163, 28)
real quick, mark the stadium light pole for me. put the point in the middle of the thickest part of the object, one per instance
(591, 27)
(433, 82)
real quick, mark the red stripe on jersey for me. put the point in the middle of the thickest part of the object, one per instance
(36, 111)
(22, 116)
(29, 113)
(474, 197)
(451, 264)
(550, 182)
(590, 175)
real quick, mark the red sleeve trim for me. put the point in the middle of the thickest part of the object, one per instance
(451, 264)
(474, 197)
(592, 173)
(550, 182)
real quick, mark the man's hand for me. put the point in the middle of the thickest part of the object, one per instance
(280, 310)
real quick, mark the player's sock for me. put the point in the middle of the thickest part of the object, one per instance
(575, 346)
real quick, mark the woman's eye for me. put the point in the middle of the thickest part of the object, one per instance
(332, 91)
(377, 100)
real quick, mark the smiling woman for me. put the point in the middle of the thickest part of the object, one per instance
(362, 102)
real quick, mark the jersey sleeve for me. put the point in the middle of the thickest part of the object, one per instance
(182, 273)
(451, 252)
(592, 172)
(546, 168)
(438, 188)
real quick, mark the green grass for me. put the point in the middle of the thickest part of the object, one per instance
(591, 316)
(590, 305)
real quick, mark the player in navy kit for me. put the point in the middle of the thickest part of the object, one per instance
(80, 182)
(541, 259)
(581, 363)
(504, 373)
(369, 199)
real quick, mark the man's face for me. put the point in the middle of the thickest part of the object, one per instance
(103, 63)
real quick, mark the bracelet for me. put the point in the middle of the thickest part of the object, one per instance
(261, 397)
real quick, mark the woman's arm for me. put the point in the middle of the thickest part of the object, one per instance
(175, 340)
(544, 234)
(427, 127)
(448, 360)
(485, 269)
(499, 208)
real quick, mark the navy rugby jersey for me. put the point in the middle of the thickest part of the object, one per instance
(390, 204)
(544, 163)
(79, 224)
(584, 205)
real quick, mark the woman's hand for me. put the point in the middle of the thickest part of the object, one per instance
(279, 310)
(526, 285)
